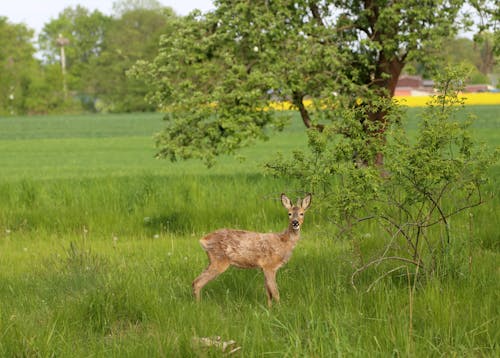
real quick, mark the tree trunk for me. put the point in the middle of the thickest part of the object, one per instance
(298, 100)
(386, 78)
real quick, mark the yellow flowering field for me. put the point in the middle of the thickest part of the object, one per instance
(413, 101)
(470, 99)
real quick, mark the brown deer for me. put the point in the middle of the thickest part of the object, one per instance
(248, 249)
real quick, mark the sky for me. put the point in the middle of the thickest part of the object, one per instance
(35, 13)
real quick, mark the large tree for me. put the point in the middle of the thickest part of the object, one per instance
(220, 72)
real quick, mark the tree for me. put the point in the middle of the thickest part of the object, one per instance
(46, 94)
(432, 180)
(85, 31)
(132, 36)
(489, 23)
(222, 70)
(17, 66)
(465, 51)
(488, 35)
(485, 45)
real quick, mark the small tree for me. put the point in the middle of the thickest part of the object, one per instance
(427, 180)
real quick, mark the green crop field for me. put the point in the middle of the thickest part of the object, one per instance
(99, 246)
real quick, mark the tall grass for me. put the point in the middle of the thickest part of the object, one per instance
(97, 259)
(143, 205)
(132, 297)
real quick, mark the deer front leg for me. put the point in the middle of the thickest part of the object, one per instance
(271, 286)
(210, 273)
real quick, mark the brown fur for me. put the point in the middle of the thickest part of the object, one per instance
(248, 249)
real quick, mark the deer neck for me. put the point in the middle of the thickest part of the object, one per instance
(291, 235)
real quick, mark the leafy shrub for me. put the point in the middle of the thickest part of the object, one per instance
(410, 200)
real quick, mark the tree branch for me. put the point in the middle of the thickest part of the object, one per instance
(382, 276)
(298, 100)
(316, 14)
(400, 230)
(443, 218)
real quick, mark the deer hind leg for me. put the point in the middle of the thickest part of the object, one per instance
(211, 272)
(271, 287)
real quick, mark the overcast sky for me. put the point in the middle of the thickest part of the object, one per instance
(35, 13)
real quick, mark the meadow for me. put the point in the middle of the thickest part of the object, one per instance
(99, 246)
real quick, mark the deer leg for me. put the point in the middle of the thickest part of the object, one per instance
(271, 287)
(211, 272)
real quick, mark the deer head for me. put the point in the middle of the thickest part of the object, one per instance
(296, 213)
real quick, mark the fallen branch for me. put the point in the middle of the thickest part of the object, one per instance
(380, 259)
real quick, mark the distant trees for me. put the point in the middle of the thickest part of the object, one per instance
(132, 36)
(84, 31)
(99, 50)
(102, 48)
(18, 68)
(477, 55)
(249, 53)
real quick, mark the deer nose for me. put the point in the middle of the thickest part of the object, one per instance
(295, 223)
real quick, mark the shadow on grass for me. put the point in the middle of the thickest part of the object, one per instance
(175, 222)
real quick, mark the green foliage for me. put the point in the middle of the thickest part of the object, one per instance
(84, 31)
(329, 52)
(489, 31)
(424, 183)
(442, 174)
(219, 73)
(18, 68)
(457, 51)
(101, 49)
(215, 104)
(132, 36)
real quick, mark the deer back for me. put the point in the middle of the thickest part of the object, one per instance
(247, 249)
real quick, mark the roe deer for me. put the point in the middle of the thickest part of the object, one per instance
(247, 249)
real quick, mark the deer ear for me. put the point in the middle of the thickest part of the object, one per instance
(306, 202)
(287, 203)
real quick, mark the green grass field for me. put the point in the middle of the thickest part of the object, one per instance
(99, 245)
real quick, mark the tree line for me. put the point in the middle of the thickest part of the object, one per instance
(99, 49)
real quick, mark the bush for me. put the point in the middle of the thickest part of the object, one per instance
(423, 183)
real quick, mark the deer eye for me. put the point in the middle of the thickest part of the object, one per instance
(301, 214)
(289, 214)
